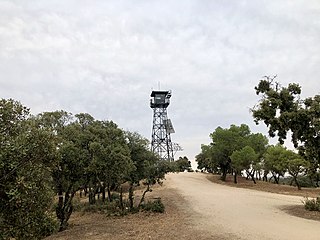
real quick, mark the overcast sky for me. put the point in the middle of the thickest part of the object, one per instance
(104, 57)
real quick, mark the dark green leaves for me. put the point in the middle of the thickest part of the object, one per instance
(283, 111)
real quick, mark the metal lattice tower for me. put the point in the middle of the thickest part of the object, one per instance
(162, 126)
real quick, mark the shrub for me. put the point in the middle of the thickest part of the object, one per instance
(115, 196)
(110, 208)
(154, 206)
(304, 181)
(312, 204)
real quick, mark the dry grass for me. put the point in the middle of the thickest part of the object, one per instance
(175, 223)
(266, 186)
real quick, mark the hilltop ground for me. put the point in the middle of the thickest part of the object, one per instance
(197, 208)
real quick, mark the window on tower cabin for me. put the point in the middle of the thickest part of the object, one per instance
(159, 99)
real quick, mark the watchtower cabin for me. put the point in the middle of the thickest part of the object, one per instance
(160, 99)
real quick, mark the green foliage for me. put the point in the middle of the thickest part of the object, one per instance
(26, 154)
(154, 206)
(183, 164)
(109, 208)
(304, 181)
(204, 160)
(296, 164)
(244, 158)
(279, 160)
(283, 111)
(111, 161)
(148, 167)
(225, 142)
(56, 152)
(312, 204)
(275, 161)
(216, 157)
(90, 153)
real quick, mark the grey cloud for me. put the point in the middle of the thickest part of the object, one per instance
(104, 57)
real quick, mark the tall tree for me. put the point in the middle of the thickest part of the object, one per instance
(283, 111)
(275, 161)
(243, 159)
(26, 153)
(296, 165)
(225, 142)
(111, 156)
(205, 161)
(71, 158)
(259, 143)
(148, 167)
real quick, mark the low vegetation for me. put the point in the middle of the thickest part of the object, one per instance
(312, 204)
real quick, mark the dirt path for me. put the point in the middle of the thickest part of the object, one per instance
(240, 213)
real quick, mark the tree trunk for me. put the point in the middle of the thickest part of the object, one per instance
(224, 174)
(265, 177)
(92, 195)
(317, 180)
(254, 181)
(252, 176)
(297, 183)
(144, 194)
(248, 175)
(276, 179)
(235, 177)
(64, 208)
(121, 199)
(103, 192)
(67, 208)
(131, 196)
(109, 193)
(59, 208)
(85, 190)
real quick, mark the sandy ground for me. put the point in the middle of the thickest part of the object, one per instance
(197, 208)
(241, 213)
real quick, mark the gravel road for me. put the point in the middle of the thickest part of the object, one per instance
(240, 213)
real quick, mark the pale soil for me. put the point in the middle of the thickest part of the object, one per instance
(243, 213)
(197, 208)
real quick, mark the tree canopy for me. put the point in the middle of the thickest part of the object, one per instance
(216, 156)
(26, 155)
(61, 154)
(283, 111)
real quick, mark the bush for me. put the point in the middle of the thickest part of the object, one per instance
(110, 208)
(304, 181)
(154, 206)
(312, 204)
